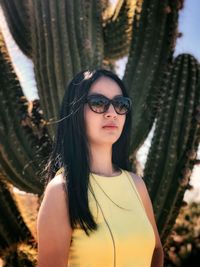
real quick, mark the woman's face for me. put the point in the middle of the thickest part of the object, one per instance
(97, 125)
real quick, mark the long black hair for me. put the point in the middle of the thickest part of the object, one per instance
(71, 151)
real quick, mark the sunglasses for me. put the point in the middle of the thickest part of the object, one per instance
(100, 104)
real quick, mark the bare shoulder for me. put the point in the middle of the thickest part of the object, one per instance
(54, 200)
(53, 225)
(55, 194)
(56, 184)
(57, 180)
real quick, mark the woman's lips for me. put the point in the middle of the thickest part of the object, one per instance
(110, 127)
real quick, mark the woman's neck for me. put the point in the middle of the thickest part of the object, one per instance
(101, 161)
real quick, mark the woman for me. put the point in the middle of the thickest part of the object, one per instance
(94, 211)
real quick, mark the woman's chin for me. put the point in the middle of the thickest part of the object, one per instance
(111, 139)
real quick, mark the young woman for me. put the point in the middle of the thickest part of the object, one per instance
(95, 212)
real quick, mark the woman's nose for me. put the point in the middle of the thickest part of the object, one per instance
(111, 111)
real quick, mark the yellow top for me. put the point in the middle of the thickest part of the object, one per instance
(125, 237)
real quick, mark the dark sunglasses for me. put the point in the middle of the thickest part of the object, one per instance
(100, 103)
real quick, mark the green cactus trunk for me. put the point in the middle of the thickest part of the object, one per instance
(65, 40)
(175, 141)
(23, 138)
(150, 51)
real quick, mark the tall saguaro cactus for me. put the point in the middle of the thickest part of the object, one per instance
(64, 37)
(151, 50)
(22, 136)
(175, 141)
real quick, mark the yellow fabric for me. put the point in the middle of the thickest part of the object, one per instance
(125, 237)
(60, 171)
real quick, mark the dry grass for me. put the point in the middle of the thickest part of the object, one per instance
(28, 205)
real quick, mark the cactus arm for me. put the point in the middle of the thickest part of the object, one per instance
(21, 148)
(151, 49)
(169, 162)
(118, 30)
(63, 44)
(89, 33)
(73, 42)
(16, 13)
(97, 35)
(43, 58)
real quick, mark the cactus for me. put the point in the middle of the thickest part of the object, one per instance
(151, 49)
(23, 145)
(118, 29)
(65, 40)
(174, 144)
(64, 37)
(16, 13)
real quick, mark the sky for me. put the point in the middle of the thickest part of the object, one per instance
(188, 43)
(190, 27)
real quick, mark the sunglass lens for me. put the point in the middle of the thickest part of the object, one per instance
(98, 104)
(122, 105)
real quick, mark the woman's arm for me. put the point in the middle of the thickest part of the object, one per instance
(53, 226)
(158, 255)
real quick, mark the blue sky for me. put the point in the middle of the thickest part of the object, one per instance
(190, 27)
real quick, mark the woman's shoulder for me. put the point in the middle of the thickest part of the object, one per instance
(53, 211)
(54, 198)
(58, 178)
(56, 186)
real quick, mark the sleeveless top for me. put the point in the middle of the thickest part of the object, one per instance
(124, 237)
